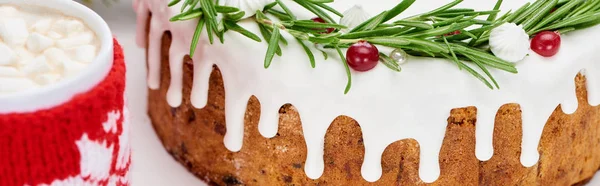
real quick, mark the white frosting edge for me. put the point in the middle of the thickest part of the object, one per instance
(63, 91)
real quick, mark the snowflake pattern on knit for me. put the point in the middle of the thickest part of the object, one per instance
(97, 156)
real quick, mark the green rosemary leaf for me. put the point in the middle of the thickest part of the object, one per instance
(370, 23)
(496, 7)
(482, 22)
(530, 10)
(226, 9)
(473, 72)
(312, 24)
(467, 33)
(454, 58)
(511, 18)
(503, 17)
(173, 2)
(467, 13)
(266, 33)
(539, 14)
(283, 40)
(562, 2)
(348, 73)
(273, 44)
(455, 10)
(299, 35)
(485, 70)
(442, 30)
(565, 30)
(325, 55)
(588, 24)
(312, 8)
(209, 30)
(442, 8)
(187, 3)
(270, 6)
(560, 12)
(286, 9)
(330, 35)
(320, 1)
(585, 6)
(220, 31)
(187, 15)
(419, 49)
(396, 42)
(572, 21)
(235, 27)
(397, 10)
(416, 24)
(447, 21)
(482, 32)
(280, 15)
(196, 37)
(328, 8)
(486, 58)
(309, 53)
(433, 46)
(261, 17)
(235, 16)
(221, 34)
(321, 40)
(374, 33)
(389, 62)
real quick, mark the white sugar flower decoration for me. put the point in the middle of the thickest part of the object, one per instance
(354, 17)
(509, 42)
(248, 6)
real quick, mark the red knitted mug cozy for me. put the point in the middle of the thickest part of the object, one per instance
(84, 141)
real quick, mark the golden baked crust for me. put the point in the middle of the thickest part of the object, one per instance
(569, 153)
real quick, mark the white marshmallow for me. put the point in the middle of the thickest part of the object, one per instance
(24, 56)
(14, 31)
(38, 42)
(46, 79)
(7, 55)
(81, 39)
(8, 11)
(83, 53)
(56, 56)
(38, 65)
(42, 26)
(54, 35)
(15, 84)
(68, 28)
(72, 68)
(10, 72)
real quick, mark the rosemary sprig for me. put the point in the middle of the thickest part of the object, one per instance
(425, 34)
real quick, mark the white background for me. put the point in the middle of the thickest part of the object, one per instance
(152, 165)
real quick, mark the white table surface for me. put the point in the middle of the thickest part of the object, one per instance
(152, 165)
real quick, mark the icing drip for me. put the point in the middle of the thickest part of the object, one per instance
(389, 106)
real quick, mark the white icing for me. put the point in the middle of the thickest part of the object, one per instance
(389, 106)
(248, 6)
(40, 55)
(44, 90)
(354, 17)
(509, 42)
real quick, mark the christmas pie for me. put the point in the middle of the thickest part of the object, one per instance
(441, 92)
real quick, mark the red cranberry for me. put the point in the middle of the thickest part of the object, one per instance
(362, 56)
(546, 43)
